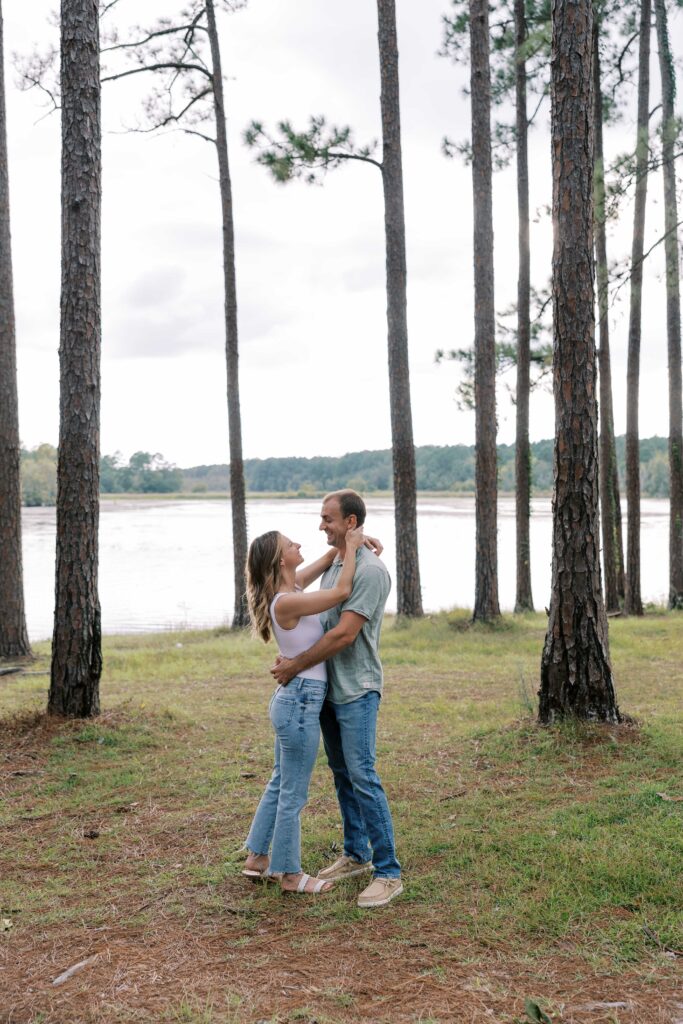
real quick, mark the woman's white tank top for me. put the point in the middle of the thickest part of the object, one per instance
(291, 642)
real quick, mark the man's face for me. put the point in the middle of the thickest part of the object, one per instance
(334, 524)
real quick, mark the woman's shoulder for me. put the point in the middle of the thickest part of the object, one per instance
(287, 593)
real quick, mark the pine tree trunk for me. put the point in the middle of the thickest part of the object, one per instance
(523, 599)
(409, 597)
(576, 675)
(612, 549)
(618, 530)
(633, 604)
(76, 645)
(237, 489)
(13, 636)
(673, 308)
(486, 605)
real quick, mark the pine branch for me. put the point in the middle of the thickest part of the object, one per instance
(175, 118)
(304, 154)
(200, 135)
(173, 30)
(624, 276)
(336, 155)
(158, 67)
(533, 117)
(34, 72)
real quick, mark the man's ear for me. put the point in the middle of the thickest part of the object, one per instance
(352, 521)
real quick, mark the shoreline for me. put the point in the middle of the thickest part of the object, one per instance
(278, 496)
(189, 496)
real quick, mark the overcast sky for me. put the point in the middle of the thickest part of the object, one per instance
(310, 260)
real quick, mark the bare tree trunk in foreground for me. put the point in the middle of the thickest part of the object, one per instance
(408, 588)
(237, 490)
(673, 308)
(13, 635)
(76, 644)
(576, 675)
(610, 505)
(523, 599)
(633, 604)
(486, 605)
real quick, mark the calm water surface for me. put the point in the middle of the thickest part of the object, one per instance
(167, 564)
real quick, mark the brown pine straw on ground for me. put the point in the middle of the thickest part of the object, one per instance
(139, 971)
(239, 961)
(118, 840)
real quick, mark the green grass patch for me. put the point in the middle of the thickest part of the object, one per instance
(533, 843)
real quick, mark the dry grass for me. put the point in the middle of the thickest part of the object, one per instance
(539, 864)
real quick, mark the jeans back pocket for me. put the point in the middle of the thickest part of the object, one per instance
(282, 708)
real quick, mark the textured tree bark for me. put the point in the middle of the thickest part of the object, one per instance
(237, 488)
(13, 636)
(486, 605)
(633, 604)
(409, 596)
(576, 675)
(76, 645)
(673, 308)
(523, 598)
(612, 547)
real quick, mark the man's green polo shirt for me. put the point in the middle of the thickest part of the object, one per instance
(357, 669)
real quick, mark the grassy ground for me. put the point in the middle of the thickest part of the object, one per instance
(542, 867)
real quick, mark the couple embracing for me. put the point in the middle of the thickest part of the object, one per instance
(329, 679)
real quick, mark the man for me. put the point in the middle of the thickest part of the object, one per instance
(349, 717)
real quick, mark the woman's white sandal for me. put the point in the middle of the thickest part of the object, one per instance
(261, 876)
(317, 889)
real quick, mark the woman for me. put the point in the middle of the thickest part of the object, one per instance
(277, 604)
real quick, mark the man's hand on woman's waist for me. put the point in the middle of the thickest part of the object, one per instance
(284, 670)
(343, 635)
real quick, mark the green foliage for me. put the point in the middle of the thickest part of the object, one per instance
(535, 1013)
(504, 55)
(655, 475)
(305, 154)
(439, 468)
(541, 358)
(144, 473)
(39, 475)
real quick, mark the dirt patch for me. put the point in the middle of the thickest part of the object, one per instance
(285, 970)
(36, 728)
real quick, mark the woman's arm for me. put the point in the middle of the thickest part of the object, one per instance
(290, 607)
(310, 573)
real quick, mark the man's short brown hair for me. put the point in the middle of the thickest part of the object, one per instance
(350, 504)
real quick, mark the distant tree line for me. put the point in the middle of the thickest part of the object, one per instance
(143, 473)
(439, 468)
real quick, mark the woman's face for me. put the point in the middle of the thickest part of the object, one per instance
(290, 553)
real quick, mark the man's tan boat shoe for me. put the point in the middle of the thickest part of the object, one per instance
(344, 867)
(380, 892)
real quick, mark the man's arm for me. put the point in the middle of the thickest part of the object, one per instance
(343, 635)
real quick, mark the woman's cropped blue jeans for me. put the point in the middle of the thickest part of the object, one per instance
(295, 716)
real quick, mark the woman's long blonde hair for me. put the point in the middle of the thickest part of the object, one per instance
(263, 580)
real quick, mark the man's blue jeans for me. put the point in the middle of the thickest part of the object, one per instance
(349, 735)
(295, 716)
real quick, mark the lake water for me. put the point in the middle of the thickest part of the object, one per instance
(167, 564)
